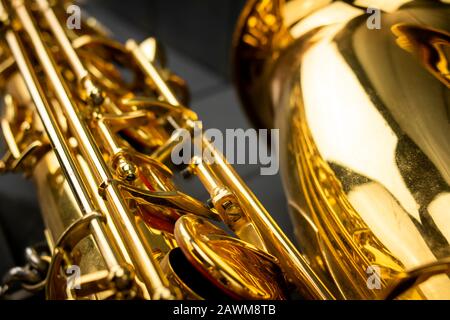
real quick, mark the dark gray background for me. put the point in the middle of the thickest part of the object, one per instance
(197, 36)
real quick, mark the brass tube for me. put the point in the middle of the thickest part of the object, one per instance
(91, 92)
(61, 148)
(206, 176)
(275, 240)
(279, 245)
(66, 46)
(150, 69)
(139, 250)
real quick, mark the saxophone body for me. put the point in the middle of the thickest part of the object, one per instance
(364, 122)
(93, 123)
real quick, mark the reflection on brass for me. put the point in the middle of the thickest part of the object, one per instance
(91, 121)
(233, 265)
(365, 155)
(365, 136)
(430, 46)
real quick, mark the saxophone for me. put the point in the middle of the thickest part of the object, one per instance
(360, 92)
(94, 123)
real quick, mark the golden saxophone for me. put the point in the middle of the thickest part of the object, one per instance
(97, 143)
(366, 164)
(360, 92)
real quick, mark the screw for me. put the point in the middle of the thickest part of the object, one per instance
(96, 97)
(127, 170)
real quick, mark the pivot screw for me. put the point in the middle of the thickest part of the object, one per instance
(127, 170)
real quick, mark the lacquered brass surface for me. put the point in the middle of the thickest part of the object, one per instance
(365, 153)
(91, 120)
(233, 265)
(365, 136)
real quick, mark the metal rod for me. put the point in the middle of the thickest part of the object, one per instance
(139, 250)
(150, 69)
(92, 93)
(58, 32)
(61, 148)
(275, 240)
